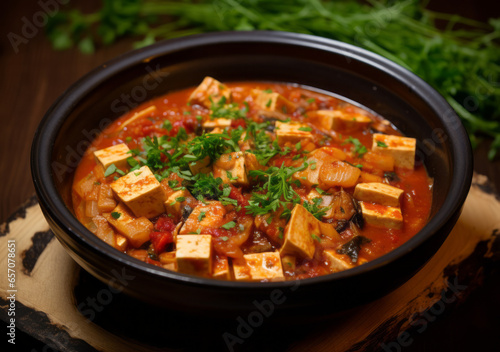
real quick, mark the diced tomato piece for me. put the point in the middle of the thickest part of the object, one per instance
(160, 240)
(165, 224)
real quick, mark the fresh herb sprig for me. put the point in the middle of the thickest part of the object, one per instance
(276, 190)
(461, 61)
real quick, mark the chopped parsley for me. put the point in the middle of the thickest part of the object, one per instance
(229, 225)
(201, 216)
(314, 237)
(167, 125)
(110, 170)
(305, 129)
(315, 209)
(381, 144)
(359, 148)
(269, 102)
(116, 215)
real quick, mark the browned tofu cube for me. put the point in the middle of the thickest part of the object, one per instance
(380, 193)
(339, 120)
(291, 132)
(298, 233)
(194, 254)
(204, 216)
(174, 203)
(117, 154)
(337, 262)
(136, 230)
(382, 216)
(234, 167)
(272, 101)
(141, 192)
(200, 166)
(402, 149)
(217, 124)
(265, 266)
(210, 90)
(241, 271)
(221, 268)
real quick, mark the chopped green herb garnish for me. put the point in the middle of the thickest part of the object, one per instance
(298, 146)
(269, 102)
(359, 148)
(229, 225)
(224, 238)
(110, 170)
(305, 129)
(167, 125)
(128, 139)
(315, 237)
(381, 144)
(311, 100)
(116, 215)
(201, 216)
(268, 91)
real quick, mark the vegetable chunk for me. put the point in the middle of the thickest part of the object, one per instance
(141, 192)
(116, 154)
(194, 254)
(402, 149)
(380, 193)
(210, 215)
(136, 230)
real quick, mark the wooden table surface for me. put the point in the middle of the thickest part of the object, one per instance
(33, 76)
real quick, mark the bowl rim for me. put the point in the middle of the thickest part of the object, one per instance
(48, 129)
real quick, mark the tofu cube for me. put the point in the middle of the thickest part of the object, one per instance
(194, 254)
(402, 149)
(241, 271)
(217, 123)
(202, 166)
(221, 268)
(234, 167)
(298, 231)
(380, 193)
(289, 262)
(381, 215)
(173, 203)
(290, 132)
(135, 229)
(265, 266)
(326, 201)
(141, 192)
(204, 216)
(338, 262)
(117, 154)
(210, 89)
(272, 101)
(339, 120)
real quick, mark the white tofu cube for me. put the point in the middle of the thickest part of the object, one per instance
(272, 101)
(210, 89)
(194, 254)
(291, 132)
(136, 230)
(382, 216)
(117, 154)
(217, 123)
(234, 167)
(141, 192)
(380, 193)
(265, 266)
(204, 216)
(402, 149)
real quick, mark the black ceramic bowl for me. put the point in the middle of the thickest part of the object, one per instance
(358, 75)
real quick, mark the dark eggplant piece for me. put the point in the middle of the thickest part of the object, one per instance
(186, 211)
(353, 247)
